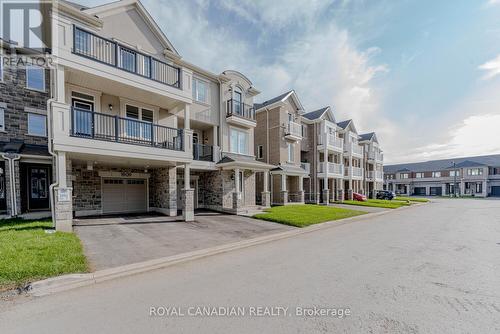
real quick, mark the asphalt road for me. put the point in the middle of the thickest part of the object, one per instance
(427, 269)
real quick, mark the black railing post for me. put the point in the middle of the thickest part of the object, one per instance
(72, 121)
(117, 128)
(152, 134)
(93, 124)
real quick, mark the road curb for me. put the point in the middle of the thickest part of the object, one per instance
(73, 281)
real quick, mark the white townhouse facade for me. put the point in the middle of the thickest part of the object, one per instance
(135, 128)
(373, 165)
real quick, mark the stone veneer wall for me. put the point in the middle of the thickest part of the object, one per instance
(87, 195)
(210, 190)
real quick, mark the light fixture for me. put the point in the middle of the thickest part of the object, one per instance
(110, 106)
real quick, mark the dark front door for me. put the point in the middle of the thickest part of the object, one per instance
(38, 187)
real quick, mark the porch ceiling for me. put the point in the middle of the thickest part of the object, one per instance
(119, 89)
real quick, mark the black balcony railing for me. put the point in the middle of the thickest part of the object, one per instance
(240, 109)
(203, 152)
(92, 125)
(109, 52)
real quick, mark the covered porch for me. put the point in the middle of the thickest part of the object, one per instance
(287, 185)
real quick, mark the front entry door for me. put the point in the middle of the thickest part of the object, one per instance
(38, 187)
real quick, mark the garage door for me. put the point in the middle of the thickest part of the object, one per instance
(124, 195)
(419, 191)
(495, 191)
(436, 191)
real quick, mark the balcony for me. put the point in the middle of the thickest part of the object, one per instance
(92, 125)
(353, 172)
(375, 175)
(376, 156)
(109, 52)
(239, 113)
(354, 149)
(332, 141)
(332, 168)
(203, 152)
(293, 131)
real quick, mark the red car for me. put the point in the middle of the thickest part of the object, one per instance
(358, 197)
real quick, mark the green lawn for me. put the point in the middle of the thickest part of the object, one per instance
(412, 199)
(28, 254)
(378, 203)
(305, 215)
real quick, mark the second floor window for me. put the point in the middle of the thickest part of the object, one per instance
(454, 173)
(37, 125)
(200, 91)
(404, 175)
(239, 141)
(474, 171)
(419, 175)
(436, 174)
(35, 78)
(260, 152)
(290, 152)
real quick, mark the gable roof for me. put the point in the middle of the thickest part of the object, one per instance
(366, 136)
(437, 165)
(101, 10)
(344, 124)
(280, 98)
(312, 115)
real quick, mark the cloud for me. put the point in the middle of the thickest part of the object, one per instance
(491, 67)
(493, 2)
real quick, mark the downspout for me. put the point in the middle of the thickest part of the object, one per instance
(221, 107)
(51, 150)
(267, 135)
(11, 183)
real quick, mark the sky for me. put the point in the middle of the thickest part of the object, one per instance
(423, 74)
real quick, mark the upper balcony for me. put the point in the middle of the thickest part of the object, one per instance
(293, 131)
(241, 114)
(354, 149)
(331, 168)
(109, 52)
(353, 172)
(376, 175)
(375, 156)
(333, 143)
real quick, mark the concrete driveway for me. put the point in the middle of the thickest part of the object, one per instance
(119, 240)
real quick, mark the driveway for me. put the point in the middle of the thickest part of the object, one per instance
(119, 240)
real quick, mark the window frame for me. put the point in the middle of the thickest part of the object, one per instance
(196, 91)
(436, 174)
(236, 149)
(419, 175)
(470, 171)
(260, 151)
(291, 153)
(31, 114)
(404, 175)
(27, 71)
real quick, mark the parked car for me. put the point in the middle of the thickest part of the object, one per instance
(385, 194)
(358, 197)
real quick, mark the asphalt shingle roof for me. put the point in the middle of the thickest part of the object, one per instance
(366, 136)
(271, 101)
(344, 124)
(436, 165)
(312, 115)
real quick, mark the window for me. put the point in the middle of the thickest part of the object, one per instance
(200, 90)
(239, 141)
(127, 58)
(454, 173)
(404, 175)
(419, 175)
(37, 125)
(304, 131)
(436, 174)
(474, 171)
(237, 103)
(2, 120)
(35, 78)
(260, 152)
(140, 130)
(291, 152)
(479, 187)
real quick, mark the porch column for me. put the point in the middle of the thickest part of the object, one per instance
(340, 191)
(266, 195)
(237, 190)
(188, 133)
(301, 189)
(172, 191)
(284, 191)
(188, 196)
(63, 206)
(215, 146)
(326, 192)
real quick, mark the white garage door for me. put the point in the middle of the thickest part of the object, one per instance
(124, 195)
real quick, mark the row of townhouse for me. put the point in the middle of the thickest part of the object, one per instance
(120, 123)
(471, 176)
(316, 159)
